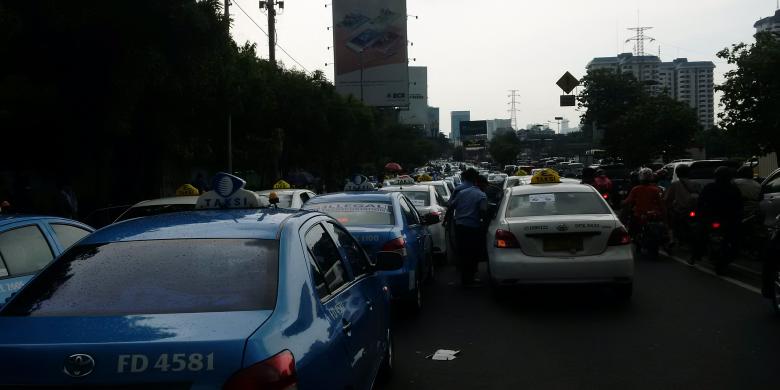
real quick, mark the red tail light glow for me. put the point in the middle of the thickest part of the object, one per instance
(605, 196)
(398, 246)
(716, 225)
(505, 239)
(692, 214)
(276, 373)
(619, 236)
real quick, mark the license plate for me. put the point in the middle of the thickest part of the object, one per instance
(563, 243)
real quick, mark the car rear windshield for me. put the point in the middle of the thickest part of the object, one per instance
(145, 211)
(155, 277)
(558, 203)
(285, 200)
(420, 198)
(706, 169)
(357, 213)
(440, 189)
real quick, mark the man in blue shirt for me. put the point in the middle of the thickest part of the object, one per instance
(467, 207)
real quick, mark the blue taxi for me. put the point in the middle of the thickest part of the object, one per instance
(29, 243)
(231, 295)
(386, 221)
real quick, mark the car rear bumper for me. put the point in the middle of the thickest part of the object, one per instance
(512, 266)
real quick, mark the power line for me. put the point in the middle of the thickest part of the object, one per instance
(266, 34)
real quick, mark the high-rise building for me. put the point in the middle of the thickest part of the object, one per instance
(417, 114)
(433, 122)
(494, 127)
(690, 82)
(771, 24)
(455, 118)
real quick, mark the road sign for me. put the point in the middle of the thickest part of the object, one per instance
(568, 101)
(568, 82)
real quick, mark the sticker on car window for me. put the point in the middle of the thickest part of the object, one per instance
(418, 202)
(541, 198)
(353, 208)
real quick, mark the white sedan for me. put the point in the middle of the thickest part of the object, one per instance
(560, 233)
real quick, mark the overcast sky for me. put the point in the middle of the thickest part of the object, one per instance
(476, 51)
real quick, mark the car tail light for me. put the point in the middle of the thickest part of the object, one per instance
(398, 246)
(276, 373)
(605, 196)
(619, 236)
(692, 214)
(716, 225)
(505, 239)
(436, 213)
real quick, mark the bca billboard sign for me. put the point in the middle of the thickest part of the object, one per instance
(370, 50)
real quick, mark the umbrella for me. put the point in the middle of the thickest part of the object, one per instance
(393, 167)
(301, 178)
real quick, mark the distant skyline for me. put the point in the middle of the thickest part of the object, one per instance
(473, 61)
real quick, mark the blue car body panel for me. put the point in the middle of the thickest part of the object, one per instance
(33, 349)
(419, 244)
(12, 284)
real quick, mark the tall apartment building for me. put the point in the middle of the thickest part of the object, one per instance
(690, 82)
(771, 24)
(455, 118)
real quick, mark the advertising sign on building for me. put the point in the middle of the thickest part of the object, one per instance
(473, 134)
(370, 50)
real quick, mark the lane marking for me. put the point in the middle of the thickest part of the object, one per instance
(709, 272)
(746, 269)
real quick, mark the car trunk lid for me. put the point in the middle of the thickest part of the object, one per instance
(563, 235)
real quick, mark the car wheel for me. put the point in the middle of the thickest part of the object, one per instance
(624, 291)
(776, 292)
(386, 370)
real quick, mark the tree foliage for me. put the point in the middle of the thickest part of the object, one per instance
(751, 93)
(637, 126)
(505, 147)
(129, 98)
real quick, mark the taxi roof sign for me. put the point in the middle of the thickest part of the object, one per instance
(282, 185)
(358, 183)
(229, 193)
(545, 176)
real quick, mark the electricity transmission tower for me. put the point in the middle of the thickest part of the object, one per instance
(513, 104)
(640, 39)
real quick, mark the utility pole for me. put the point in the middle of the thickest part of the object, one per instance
(270, 7)
(230, 115)
(513, 107)
(640, 39)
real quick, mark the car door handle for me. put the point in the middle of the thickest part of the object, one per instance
(346, 326)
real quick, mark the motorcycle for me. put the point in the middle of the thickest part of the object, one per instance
(651, 234)
(720, 247)
(771, 269)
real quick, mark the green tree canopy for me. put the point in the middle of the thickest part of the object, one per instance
(505, 147)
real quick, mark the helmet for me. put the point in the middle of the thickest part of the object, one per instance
(645, 175)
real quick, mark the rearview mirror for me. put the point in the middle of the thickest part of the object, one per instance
(388, 261)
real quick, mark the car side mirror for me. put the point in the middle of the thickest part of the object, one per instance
(430, 219)
(388, 261)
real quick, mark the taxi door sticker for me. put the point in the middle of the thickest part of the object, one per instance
(541, 198)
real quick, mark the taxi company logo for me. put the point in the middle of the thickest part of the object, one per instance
(226, 185)
(79, 365)
(562, 228)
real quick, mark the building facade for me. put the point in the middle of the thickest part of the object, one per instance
(494, 127)
(771, 24)
(417, 114)
(689, 82)
(456, 117)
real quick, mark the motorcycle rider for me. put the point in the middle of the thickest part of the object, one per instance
(721, 202)
(680, 200)
(644, 200)
(750, 190)
(603, 184)
(589, 176)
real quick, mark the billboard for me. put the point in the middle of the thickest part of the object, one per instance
(370, 51)
(473, 134)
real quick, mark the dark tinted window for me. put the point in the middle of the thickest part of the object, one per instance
(67, 235)
(353, 251)
(146, 211)
(305, 197)
(153, 277)
(357, 213)
(24, 251)
(706, 169)
(327, 257)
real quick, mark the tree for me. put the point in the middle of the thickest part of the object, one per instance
(504, 148)
(606, 96)
(751, 93)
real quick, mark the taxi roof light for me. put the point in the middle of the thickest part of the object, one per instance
(229, 193)
(545, 176)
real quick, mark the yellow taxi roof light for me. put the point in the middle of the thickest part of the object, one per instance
(545, 176)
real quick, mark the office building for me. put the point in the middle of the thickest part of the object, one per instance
(690, 82)
(495, 126)
(417, 114)
(455, 118)
(771, 24)
(433, 122)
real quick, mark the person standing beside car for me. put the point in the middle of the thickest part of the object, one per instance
(468, 208)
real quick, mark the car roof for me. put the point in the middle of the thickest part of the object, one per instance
(357, 196)
(414, 188)
(7, 219)
(554, 187)
(199, 224)
(432, 182)
(167, 201)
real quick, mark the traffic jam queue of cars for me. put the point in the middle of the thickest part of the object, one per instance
(234, 294)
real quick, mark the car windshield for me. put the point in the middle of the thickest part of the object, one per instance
(146, 211)
(357, 213)
(155, 277)
(556, 203)
(419, 198)
(440, 189)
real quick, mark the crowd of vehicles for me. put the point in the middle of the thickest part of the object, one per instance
(273, 288)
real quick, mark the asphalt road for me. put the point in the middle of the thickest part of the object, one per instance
(682, 329)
